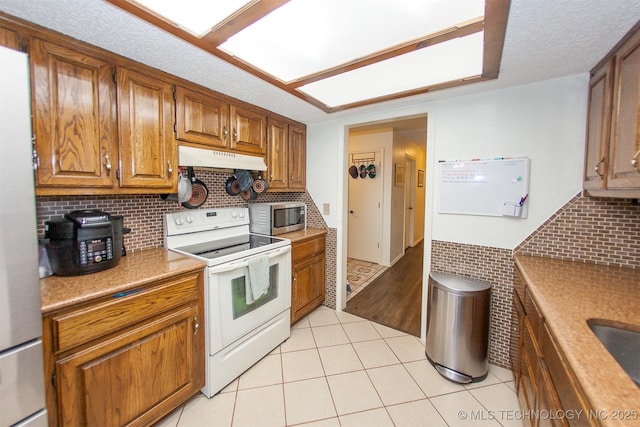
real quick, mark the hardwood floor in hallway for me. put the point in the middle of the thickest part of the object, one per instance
(395, 298)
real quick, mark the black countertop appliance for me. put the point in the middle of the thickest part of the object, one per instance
(84, 241)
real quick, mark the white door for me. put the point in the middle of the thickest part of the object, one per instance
(365, 208)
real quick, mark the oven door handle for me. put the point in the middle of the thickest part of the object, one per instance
(241, 264)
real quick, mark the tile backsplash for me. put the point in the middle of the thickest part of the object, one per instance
(144, 213)
(585, 229)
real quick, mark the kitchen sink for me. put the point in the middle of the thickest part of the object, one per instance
(623, 344)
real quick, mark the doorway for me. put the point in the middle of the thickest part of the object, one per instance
(401, 146)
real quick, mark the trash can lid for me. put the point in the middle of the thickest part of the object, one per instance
(459, 284)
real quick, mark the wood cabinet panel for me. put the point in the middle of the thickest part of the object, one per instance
(297, 157)
(612, 155)
(545, 381)
(74, 119)
(148, 150)
(127, 379)
(569, 393)
(248, 131)
(286, 155)
(201, 119)
(308, 270)
(127, 360)
(625, 136)
(277, 154)
(307, 287)
(598, 127)
(101, 319)
(548, 400)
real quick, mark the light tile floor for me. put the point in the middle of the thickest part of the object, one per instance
(360, 274)
(337, 369)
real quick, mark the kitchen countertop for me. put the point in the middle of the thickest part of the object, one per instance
(136, 269)
(568, 294)
(307, 233)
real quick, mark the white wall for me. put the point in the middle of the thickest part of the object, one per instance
(545, 121)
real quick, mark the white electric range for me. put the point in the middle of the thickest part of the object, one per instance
(247, 287)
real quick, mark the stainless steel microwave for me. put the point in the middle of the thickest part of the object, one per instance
(277, 218)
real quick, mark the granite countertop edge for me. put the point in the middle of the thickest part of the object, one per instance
(137, 269)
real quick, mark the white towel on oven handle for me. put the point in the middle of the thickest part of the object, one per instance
(258, 278)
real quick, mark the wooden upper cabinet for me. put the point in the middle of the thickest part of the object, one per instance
(598, 127)
(148, 150)
(624, 168)
(297, 157)
(74, 119)
(277, 154)
(9, 38)
(248, 131)
(286, 155)
(201, 119)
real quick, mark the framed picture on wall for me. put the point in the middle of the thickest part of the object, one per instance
(398, 175)
(420, 178)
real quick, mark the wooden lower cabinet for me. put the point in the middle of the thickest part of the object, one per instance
(308, 282)
(545, 384)
(143, 361)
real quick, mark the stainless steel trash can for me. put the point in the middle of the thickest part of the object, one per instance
(458, 327)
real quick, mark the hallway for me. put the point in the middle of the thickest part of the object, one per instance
(394, 299)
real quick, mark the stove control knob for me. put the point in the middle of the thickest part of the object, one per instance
(234, 214)
(241, 214)
(189, 219)
(179, 220)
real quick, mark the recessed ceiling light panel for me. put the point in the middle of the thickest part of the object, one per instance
(452, 60)
(194, 16)
(304, 37)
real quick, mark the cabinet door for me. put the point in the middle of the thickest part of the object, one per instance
(297, 157)
(136, 377)
(307, 286)
(74, 123)
(599, 128)
(277, 154)
(624, 168)
(248, 131)
(148, 153)
(201, 119)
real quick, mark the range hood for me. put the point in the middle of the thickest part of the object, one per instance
(200, 157)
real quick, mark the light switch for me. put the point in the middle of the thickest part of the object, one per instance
(326, 209)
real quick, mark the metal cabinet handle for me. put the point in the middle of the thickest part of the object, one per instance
(634, 161)
(597, 168)
(235, 134)
(196, 324)
(107, 163)
(225, 132)
(169, 168)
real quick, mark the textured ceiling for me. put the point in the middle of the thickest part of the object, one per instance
(545, 39)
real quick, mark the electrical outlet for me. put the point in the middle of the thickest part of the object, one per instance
(326, 209)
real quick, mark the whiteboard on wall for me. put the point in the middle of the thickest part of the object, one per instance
(494, 187)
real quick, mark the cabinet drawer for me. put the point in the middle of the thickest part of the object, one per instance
(307, 248)
(531, 349)
(533, 315)
(76, 327)
(548, 399)
(569, 394)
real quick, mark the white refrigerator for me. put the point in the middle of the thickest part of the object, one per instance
(22, 400)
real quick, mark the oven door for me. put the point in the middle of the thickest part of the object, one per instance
(231, 312)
